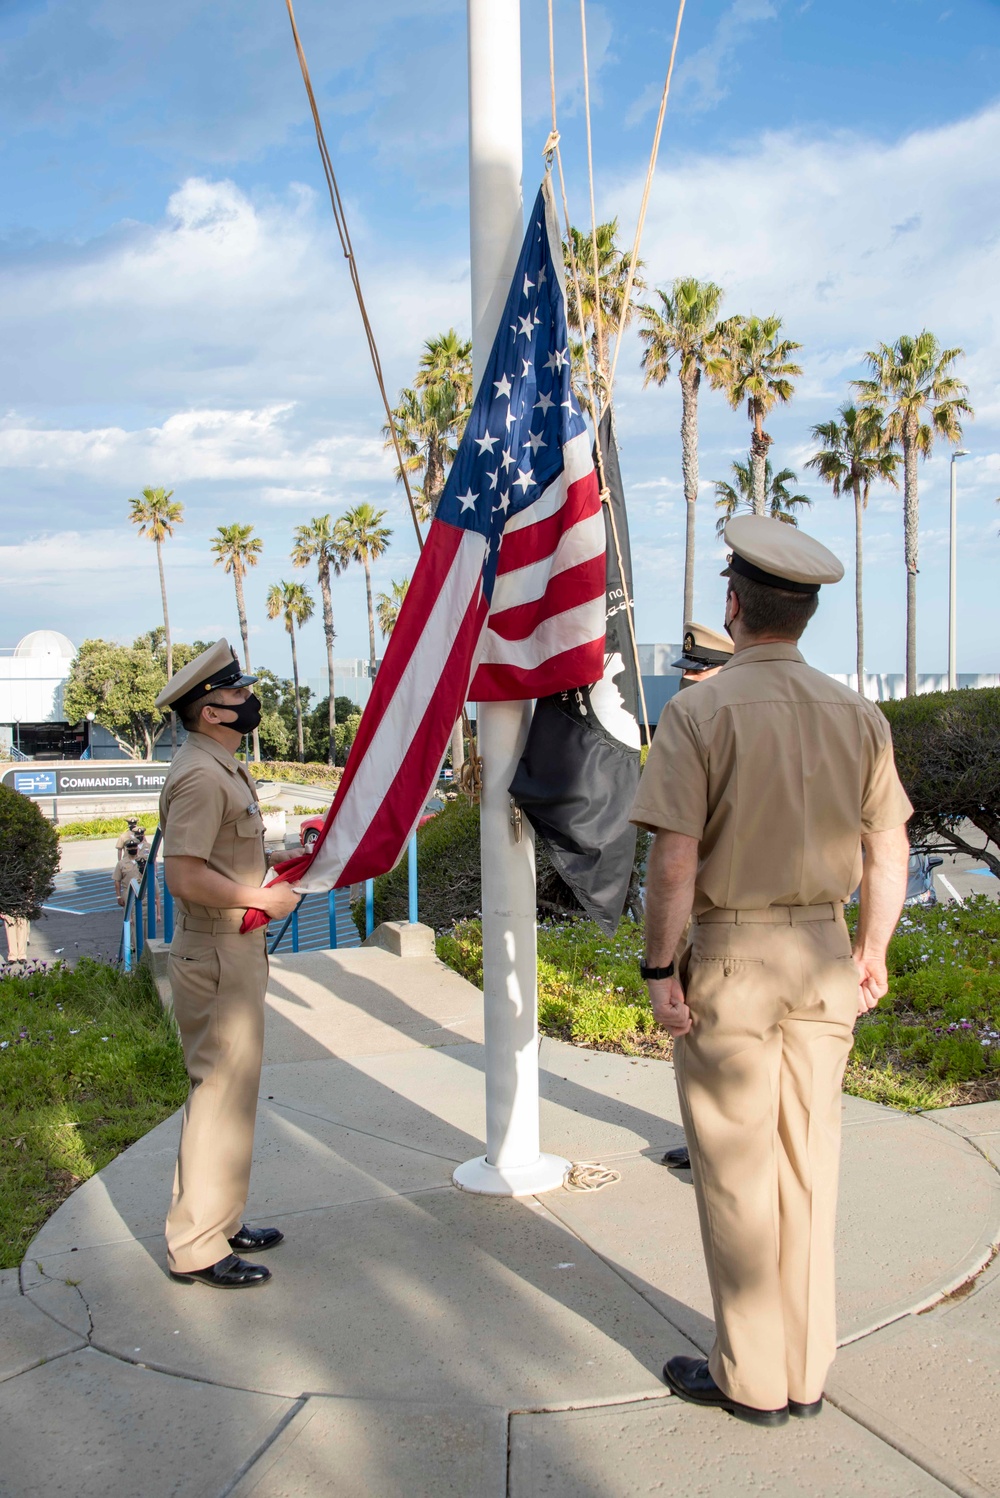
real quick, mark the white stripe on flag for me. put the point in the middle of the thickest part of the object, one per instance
(579, 544)
(402, 718)
(577, 463)
(566, 631)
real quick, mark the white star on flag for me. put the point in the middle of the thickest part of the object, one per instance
(467, 500)
(502, 387)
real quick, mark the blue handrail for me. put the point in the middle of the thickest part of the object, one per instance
(138, 891)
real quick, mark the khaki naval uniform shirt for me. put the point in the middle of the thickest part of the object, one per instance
(209, 809)
(776, 769)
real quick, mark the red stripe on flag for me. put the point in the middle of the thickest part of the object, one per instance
(522, 547)
(436, 559)
(392, 824)
(580, 666)
(567, 590)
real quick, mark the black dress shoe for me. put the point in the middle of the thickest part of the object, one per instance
(690, 1379)
(255, 1240)
(805, 1411)
(230, 1273)
(678, 1159)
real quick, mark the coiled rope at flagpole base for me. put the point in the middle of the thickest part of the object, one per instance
(590, 1175)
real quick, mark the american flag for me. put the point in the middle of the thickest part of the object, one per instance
(507, 599)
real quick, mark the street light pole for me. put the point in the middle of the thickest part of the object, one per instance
(513, 1164)
(960, 452)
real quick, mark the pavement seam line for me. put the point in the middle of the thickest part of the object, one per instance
(365, 1133)
(265, 1445)
(616, 1270)
(851, 1409)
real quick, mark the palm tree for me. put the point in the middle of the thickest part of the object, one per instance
(293, 603)
(323, 540)
(757, 368)
(780, 503)
(685, 326)
(388, 605)
(430, 419)
(854, 456)
(911, 379)
(608, 290)
(365, 539)
(156, 514)
(238, 549)
(447, 360)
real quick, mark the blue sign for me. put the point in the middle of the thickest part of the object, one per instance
(35, 782)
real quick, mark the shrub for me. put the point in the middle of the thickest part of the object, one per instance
(106, 826)
(307, 774)
(29, 856)
(948, 755)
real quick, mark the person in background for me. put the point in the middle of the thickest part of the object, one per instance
(127, 869)
(705, 652)
(17, 928)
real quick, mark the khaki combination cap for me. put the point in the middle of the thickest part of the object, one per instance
(779, 555)
(703, 648)
(217, 666)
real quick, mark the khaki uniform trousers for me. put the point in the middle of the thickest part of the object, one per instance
(773, 996)
(17, 937)
(218, 979)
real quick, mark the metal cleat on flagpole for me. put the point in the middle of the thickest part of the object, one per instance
(513, 1164)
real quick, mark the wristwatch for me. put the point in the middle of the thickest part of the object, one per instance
(655, 972)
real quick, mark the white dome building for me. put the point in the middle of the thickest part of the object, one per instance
(45, 644)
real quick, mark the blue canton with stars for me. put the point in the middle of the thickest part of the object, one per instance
(524, 410)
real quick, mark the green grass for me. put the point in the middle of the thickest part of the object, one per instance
(933, 1042)
(322, 775)
(106, 826)
(89, 1062)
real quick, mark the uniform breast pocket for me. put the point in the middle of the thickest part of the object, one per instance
(250, 826)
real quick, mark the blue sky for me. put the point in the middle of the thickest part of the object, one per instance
(174, 307)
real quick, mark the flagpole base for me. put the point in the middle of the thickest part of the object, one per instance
(547, 1173)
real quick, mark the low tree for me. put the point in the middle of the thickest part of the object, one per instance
(119, 684)
(779, 502)
(947, 747)
(29, 857)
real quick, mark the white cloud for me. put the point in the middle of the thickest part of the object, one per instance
(205, 444)
(701, 78)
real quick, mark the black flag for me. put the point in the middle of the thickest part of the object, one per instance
(580, 768)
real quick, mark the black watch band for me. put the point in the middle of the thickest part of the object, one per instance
(655, 972)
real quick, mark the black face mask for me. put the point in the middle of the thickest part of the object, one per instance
(247, 714)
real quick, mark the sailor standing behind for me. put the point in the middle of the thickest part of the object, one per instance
(762, 787)
(214, 865)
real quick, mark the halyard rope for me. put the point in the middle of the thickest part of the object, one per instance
(348, 248)
(552, 149)
(590, 1175)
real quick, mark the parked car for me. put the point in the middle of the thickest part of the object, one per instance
(313, 826)
(920, 888)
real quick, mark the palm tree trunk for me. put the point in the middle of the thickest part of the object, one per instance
(434, 475)
(371, 612)
(167, 642)
(328, 630)
(295, 684)
(910, 541)
(759, 444)
(858, 513)
(689, 464)
(245, 636)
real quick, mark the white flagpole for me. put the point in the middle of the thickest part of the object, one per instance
(513, 1164)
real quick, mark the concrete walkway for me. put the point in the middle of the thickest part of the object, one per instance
(419, 1341)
